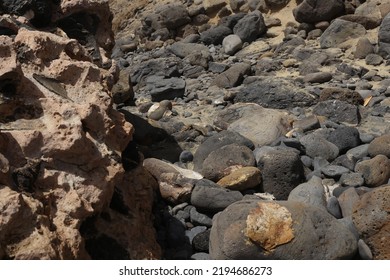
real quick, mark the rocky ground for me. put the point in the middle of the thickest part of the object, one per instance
(280, 108)
(259, 130)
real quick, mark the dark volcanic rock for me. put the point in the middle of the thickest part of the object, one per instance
(311, 192)
(341, 94)
(282, 170)
(161, 89)
(165, 67)
(339, 32)
(217, 141)
(233, 76)
(215, 35)
(274, 93)
(201, 241)
(42, 10)
(345, 138)
(317, 146)
(218, 163)
(250, 27)
(210, 198)
(253, 229)
(312, 11)
(376, 171)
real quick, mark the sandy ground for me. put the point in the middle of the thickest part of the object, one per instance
(127, 15)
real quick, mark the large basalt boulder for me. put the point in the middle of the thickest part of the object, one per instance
(255, 229)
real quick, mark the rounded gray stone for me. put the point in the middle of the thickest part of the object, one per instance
(231, 44)
(333, 207)
(311, 192)
(208, 197)
(364, 251)
(334, 171)
(317, 146)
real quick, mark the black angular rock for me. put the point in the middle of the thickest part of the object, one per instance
(215, 35)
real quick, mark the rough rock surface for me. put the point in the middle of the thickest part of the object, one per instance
(310, 81)
(252, 229)
(61, 145)
(371, 218)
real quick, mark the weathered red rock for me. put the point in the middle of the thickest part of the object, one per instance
(61, 143)
(371, 217)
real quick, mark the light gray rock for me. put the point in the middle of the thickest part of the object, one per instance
(232, 44)
(311, 192)
(364, 251)
(333, 207)
(243, 119)
(319, 77)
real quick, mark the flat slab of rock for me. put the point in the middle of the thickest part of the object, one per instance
(209, 197)
(182, 50)
(165, 89)
(338, 111)
(253, 229)
(242, 179)
(275, 93)
(243, 119)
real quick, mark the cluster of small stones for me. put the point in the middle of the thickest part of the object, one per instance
(245, 133)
